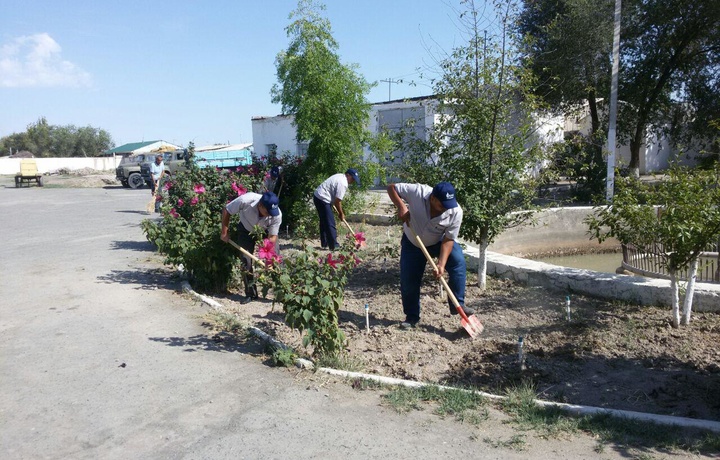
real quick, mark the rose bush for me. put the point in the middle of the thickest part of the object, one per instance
(311, 289)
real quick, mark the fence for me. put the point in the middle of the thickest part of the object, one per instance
(650, 263)
(11, 166)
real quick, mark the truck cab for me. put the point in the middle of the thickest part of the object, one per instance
(128, 171)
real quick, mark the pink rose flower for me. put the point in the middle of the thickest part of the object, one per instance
(199, 188)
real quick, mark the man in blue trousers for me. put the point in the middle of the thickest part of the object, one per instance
(328, 194)
(434, 215)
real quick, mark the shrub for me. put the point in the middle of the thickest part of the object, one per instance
(310, 288)
(189, 232)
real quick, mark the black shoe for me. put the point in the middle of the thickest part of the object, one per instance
(468, 311)
(248, 299)
(406, 325)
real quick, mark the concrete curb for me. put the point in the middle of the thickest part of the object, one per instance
(572, 409)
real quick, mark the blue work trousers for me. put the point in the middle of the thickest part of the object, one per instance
(328, 231)
(412, 268)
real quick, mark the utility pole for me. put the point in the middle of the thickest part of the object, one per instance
(613, 106)
(390, 82)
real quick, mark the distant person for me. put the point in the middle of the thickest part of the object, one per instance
(254, 209)
(157, 171)
(434, 215)
(273, 182)
(328, 194)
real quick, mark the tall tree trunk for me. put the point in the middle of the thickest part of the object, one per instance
(675, 298)
(482, 263)
(635, 143)
(687, 304)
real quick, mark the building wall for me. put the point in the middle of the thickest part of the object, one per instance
(278, 131)
(11, 166)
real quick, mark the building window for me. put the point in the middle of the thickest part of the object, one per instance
(271, 150)
(409, 121)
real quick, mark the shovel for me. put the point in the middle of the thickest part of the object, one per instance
(471, 324)
(245, 252)
(362, 243)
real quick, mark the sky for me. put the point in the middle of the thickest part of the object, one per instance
(198, 71)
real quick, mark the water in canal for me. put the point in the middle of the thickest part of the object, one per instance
(606, 263)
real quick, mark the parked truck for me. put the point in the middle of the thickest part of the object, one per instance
(128, 171)
(224, 157)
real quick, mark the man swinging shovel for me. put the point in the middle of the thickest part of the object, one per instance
(432, 219)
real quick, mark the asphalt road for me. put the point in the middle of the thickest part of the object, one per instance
(102, 357)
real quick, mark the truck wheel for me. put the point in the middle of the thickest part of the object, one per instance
(40, 181)
(135, 180)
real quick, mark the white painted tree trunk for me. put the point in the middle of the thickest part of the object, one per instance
(675, 299)
(687, 304)
(482, 264)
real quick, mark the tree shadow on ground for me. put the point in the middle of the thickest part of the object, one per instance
(144, 279)
(132, 211)
(133, 245)
(224, 342)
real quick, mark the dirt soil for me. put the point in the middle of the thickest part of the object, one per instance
(609, 354)
(80, 178)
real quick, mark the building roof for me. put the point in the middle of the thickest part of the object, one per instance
(129, 148)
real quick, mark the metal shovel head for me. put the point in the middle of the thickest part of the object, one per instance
(472, 325)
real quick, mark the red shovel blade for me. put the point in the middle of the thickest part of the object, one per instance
(472, 325)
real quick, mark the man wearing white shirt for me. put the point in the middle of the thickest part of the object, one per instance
(254, 209)
(328, 194)
(434, 215)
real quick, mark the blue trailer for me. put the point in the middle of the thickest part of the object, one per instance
(223, 158)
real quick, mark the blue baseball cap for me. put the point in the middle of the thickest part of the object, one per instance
(271, 203)
(354, 174)
(445, 192)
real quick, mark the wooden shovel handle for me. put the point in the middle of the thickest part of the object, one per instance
(451, 295)
(345, 222)
(244, 251)
(348, 226)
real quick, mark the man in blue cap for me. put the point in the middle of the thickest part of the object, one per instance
(273, 181)
(434, 215)
(254, 209)
(328, 194)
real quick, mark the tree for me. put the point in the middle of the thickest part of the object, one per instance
(670, 60)
(668, 69)
(46, 140)
(566, 44)
(680, 216)
(326, 97)
(482, 141)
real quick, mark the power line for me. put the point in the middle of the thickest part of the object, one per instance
(390, 82)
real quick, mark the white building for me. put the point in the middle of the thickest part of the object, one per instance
(276, 135)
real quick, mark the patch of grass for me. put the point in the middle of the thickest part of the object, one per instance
(516, 442)
(548, 421)
(342, 361)
(284, 357)
(403, 399)
(551, 421)
(366, 384)
(226, 322)
(465, 406)
(645, 434)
